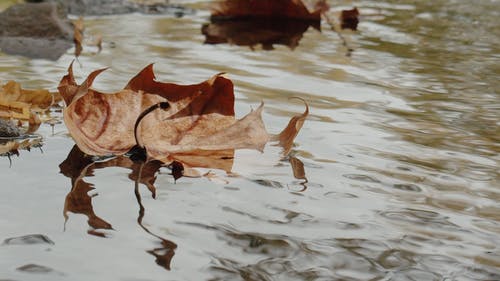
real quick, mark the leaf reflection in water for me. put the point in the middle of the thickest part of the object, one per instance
(79, 165)
(253, 31)
(298, 171)
(11, 145)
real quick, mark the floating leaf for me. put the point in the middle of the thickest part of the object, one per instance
(39, 100)
(251, 32)
(349, 19)
(292, 9)
(198, 128)
(266, 22)
(23, 105)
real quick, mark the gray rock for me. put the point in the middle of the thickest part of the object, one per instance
(51, 49)
(99, 7)
(113, 7)
(8, 129)
(37, 30)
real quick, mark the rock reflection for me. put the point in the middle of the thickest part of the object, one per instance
(78, 165)
(251, 32)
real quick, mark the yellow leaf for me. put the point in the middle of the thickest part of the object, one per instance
(38, 99)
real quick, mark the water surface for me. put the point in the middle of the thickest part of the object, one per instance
(401, 152)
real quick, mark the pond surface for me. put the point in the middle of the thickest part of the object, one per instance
(401, 152)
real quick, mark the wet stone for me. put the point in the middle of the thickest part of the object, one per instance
(114, 7)
(28, 240)
(8, 129)
(37, 30)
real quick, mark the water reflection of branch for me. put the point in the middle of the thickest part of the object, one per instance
(335, 29)
(78, 165)
(168, 246)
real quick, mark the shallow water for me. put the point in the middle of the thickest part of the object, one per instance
(401, 152)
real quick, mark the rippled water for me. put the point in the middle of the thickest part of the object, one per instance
(401, 152)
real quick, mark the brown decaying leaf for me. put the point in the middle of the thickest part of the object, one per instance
(14, 110)
(349, 19)
(198, 129)
(201, 117)
(23, 105)
(293, 9)
(266, 22)
(286, 137)
(251, 32)
(39, 100)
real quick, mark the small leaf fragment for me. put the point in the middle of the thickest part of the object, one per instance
(177, 170)
(287, 136)
(349, 19)
(196, 128)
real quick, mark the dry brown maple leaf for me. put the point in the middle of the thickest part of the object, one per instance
(38, 99)
(198, 129)
(200, 117)
(292, 9)
(349, 19)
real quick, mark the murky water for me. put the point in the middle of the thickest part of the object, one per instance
(401, 153)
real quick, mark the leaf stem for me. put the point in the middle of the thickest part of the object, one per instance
(332, 25)
(162, 105)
